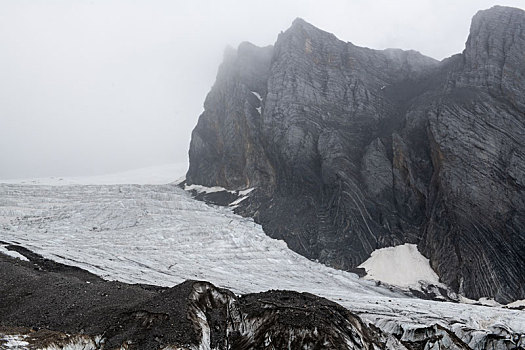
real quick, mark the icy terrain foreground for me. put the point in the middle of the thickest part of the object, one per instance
(157, 234)
(70, 308)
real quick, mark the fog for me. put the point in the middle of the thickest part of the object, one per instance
(91, 87)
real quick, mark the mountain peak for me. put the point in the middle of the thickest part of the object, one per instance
(496, 22)
(494, 53)
(352, 149)
(300, 25)
(497, 11)
(299, 21)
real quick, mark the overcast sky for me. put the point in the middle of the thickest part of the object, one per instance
(90, 87)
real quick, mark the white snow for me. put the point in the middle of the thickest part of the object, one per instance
(481, 301)
(13, 342)
(154, 175)
(517, 303)
(201, 189)
(237, 201)
(243, 195)
(246, 191)
(158, 234)
(488, 302)
(11, 253)
(260, 99)
(402, 265)
(17, 342)
(257, 95)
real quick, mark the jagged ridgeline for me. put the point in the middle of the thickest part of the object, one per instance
(352, 149)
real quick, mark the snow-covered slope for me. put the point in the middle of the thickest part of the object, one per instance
(158, 234)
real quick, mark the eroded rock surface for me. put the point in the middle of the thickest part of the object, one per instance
(352, 149)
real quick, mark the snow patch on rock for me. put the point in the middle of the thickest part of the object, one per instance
(242, 196)
(402, 266)
(13, 254)
(257, 95)
(201, 189)
(517, 303)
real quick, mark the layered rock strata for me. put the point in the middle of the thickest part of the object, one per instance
(352, 149)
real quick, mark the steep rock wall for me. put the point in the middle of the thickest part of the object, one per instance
(353, 149)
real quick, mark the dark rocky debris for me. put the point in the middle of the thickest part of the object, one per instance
(352, 149)
(56, 305)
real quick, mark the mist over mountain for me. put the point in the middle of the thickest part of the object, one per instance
(397, 180)
(351, 149)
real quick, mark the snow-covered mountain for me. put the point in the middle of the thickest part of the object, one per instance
(160, 235)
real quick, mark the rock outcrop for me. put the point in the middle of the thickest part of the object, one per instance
(352, 149)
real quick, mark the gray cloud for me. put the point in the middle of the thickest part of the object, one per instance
(90, 87)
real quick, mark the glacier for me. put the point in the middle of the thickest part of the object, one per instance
(158, 234)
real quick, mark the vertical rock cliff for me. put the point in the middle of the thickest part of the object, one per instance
(352, 149)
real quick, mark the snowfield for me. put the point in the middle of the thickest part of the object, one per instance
(155, 175)
(402, 266)
(158, 234)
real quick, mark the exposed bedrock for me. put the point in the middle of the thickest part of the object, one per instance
(352, 149)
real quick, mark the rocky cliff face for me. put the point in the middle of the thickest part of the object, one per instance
(352, 149)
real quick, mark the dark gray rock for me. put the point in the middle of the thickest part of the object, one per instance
(357, 149)
(227, 139)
